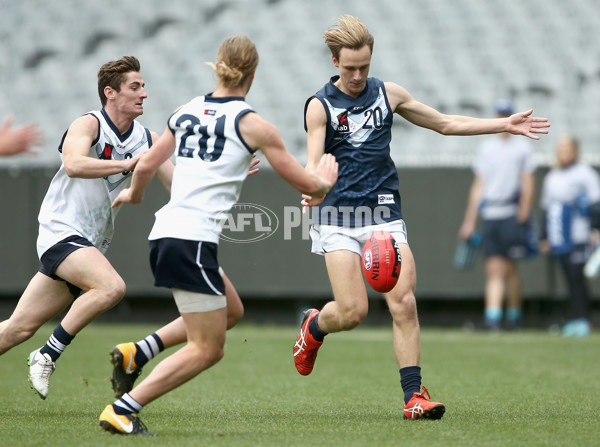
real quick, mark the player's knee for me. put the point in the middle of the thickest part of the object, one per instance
(217, 355)
(234, 315)
(113, 292)
(118, 289)
(496, 267)
(404, 308)
(209, 355)
(354, 316)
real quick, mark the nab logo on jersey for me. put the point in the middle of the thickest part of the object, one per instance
(343, 122)
(107, 152)
(343, 127)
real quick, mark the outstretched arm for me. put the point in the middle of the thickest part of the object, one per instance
(260, 134)
(18, 139)
(424, 116)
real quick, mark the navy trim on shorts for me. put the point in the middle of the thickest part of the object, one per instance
(186, 265)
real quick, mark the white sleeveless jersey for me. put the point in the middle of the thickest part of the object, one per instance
(78, 206)
(212, 162)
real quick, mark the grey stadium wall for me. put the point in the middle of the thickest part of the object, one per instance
(280, 265)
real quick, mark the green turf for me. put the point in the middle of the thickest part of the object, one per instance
(510, 389)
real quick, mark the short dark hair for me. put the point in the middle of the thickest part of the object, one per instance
(112, 74)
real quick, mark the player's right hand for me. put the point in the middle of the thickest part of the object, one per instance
(328, 170)
(131, 162)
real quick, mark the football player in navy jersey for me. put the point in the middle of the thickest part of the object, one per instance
(351, 118)
(214, 137)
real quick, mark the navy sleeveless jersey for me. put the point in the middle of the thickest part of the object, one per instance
(358, 135)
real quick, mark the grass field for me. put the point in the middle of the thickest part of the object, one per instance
(509, 389)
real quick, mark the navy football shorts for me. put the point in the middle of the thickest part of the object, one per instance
(56, 254)
(186, 265)
(505, 237)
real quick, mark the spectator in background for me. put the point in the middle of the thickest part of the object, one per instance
(18, 139)
(502, 192)
(571, 209)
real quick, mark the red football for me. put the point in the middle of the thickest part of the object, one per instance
(381, 261)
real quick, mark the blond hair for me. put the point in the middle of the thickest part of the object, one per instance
(113, 74)
(572, 141)
(347, 32)
(237, 59)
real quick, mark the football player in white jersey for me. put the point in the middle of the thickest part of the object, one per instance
(99, 151)
(214, 137)
(365, 149)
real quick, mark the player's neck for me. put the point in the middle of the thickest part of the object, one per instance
(228, 92)
(120, 120)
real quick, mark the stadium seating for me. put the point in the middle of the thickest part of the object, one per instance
(456, 56)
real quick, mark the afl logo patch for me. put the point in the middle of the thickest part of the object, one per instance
(385, 199)
(367, 259)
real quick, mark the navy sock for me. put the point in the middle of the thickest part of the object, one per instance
(410, 379)
(57, 343)
(147, 349)
(314, 330)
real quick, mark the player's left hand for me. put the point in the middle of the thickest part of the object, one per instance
(252, 169)
(125, 196)
(309, 201)
(525, 124)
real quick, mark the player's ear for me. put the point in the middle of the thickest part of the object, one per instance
(335, 61)
(109, 92)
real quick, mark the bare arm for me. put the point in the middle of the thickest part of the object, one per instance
(526, 198)
(76, 150)
(164, 173)
(18, 139)
(470, 220)
(260, 134)
(149, 163)
(316, 129)
(424, 116)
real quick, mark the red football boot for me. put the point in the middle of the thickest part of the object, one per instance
(420, 406)
(306, 347)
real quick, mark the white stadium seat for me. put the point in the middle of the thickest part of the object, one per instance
(459, 56)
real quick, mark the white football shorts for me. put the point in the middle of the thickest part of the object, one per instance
(328, 238)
